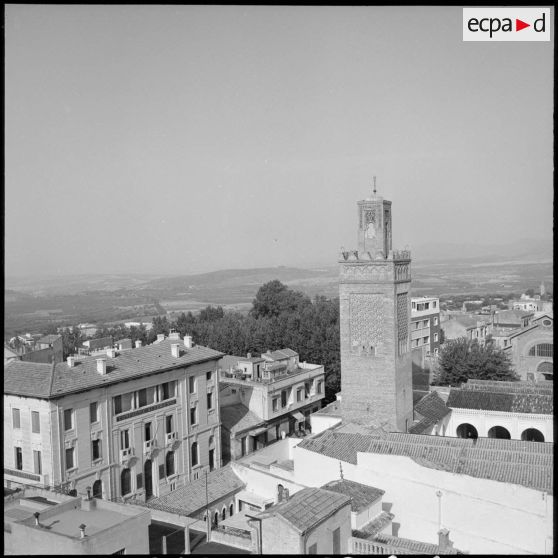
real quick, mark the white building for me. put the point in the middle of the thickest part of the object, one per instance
(134, 424)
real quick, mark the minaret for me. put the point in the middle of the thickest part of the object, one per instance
(375, 313)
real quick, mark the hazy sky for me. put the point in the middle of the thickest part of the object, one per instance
(183, 139)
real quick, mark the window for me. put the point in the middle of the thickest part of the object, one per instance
(306, 390)
(169, 426)
(18, 459)
(426, 340)
(435, 337)
(193, 415)
(161, 471)
(542, 350)
(426, 305)
(124, 439)
(436, 351)
(320, 387)
(169, 463)
(284, 398)
(299, 394)
(194, 452)
(70, 458)
(68, 419)
(169, 390)
(15, 418)
(425, 323)
(37, 464)
(275, 404)
(211, 459)
(123, 403)
(192, 384)
(147, 431)
(210, 400)
(208, 375)
(243, 446)
(417, 324)
(95, 450)
(35, 422)
(434, 304)
(93, 412)
(435, 321)
(125, 482)
(142, 397)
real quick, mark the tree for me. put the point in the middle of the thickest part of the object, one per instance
(274, 298)
(462, 359)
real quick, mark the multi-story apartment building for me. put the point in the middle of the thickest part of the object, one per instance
(425, 338)
(265, 398)
(132, 424)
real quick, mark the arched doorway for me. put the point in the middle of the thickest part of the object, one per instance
(499, 432)
(532, 435)
(467, 430)
(148, 478)
(98, 489)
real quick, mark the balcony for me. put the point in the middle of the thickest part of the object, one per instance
(127, 456)
(149, 446)
(171, 438)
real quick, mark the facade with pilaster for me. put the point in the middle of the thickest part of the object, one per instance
(130, 425)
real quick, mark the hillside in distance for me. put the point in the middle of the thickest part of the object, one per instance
(33, 303)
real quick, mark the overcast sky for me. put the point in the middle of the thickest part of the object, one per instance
(179, 139)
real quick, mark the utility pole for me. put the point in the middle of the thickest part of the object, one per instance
(208, 519)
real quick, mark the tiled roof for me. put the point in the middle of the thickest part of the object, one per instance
(361, 495)
(280, 354)
(238, 418)
(416, 547)
(333, 409)
(308, 507)
(50, 381)
(514, 461)
(371, 529)
(191, 498)
(101, 343)
(432, 407)
(532, 403)
(422, 426)
(544, 388)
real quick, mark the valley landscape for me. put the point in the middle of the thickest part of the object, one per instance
(33, 303)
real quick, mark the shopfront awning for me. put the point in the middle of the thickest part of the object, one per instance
(257, 431)
(297, 415)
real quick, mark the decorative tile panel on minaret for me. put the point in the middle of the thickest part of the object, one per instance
(375, 314)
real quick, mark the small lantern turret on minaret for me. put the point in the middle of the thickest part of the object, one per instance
(374, 225)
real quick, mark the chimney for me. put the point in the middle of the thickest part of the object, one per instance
(160, 337)
(36, 515)
(248, 355)
(188, 343)
(111, 353)
(444, 543)
(102, 366)
(280, 490)
(82, 531)
(71, 361)
(138, 343)
(175, 335)
(175, 350)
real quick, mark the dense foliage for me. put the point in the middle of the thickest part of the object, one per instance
(462, 359)
(280, 317)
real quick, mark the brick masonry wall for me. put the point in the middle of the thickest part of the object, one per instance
(375, 389)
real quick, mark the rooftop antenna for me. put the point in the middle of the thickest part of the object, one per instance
(374, 185)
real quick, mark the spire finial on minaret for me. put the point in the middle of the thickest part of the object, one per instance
(374, 185)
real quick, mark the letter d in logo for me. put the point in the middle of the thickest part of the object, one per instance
(542, 21)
